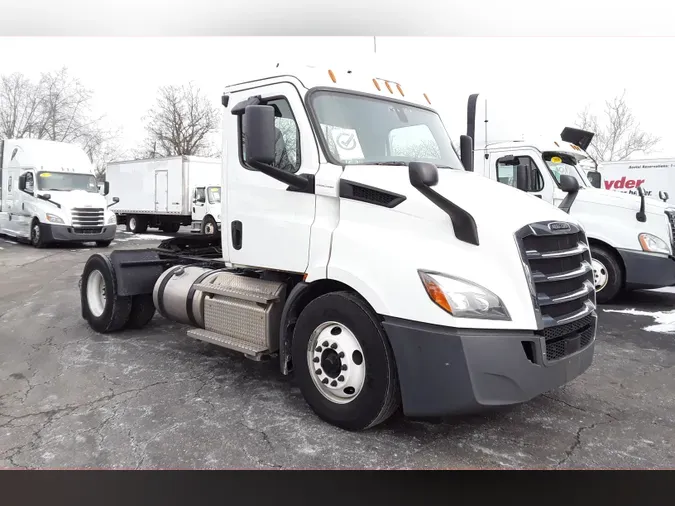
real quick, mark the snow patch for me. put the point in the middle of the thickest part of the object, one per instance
(143, 237)
(665, 320)
(667, 289)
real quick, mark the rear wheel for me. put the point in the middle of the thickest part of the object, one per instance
(171, 228)
(607, 274)
(142, 311)
(101, 306)
(209, 226)
(343, 362)
(103, 244)
(137, 224)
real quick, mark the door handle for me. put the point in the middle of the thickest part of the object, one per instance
(237, 234)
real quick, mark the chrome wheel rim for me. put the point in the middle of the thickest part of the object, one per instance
(96, 293)
(336, 362)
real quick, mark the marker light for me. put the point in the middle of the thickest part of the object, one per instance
(377, 85)
(332, 76)
(386, 83)
(427, 99)
(400, 90)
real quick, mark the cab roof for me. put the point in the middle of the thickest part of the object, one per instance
(46, 155)
(541, 146)
(310, 77)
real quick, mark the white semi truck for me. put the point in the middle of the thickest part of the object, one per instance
(631, 237)
(166, 193)
(49, 194)
(376, 278)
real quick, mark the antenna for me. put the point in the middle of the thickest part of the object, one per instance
(486, 123)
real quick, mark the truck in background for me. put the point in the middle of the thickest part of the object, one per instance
(167, 193)
(656, 177)
(376, 278)
(631, 237)
(48, 193)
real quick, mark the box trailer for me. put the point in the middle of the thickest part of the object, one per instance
(161, 192)
(656, 177)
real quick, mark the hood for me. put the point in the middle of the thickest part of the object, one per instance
(77, 198)
(621, 200)
(487, 200)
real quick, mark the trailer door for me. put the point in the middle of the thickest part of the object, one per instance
(161, 191)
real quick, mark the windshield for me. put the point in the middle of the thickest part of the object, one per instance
(360, 130)
(214, 194)
(65, 181)
(562, 164)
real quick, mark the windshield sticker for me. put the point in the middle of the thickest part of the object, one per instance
(556, 159)
(215, 190)
(45, 174)
(346, 143)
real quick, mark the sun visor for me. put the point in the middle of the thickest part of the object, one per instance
(581, 138)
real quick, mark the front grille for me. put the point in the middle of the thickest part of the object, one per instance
(88, 217)
(87, 231)
(670, 213)
(559, 264)
(563, 340)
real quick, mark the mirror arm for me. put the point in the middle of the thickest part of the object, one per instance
(640, 215)
(303, 183)
(50, 201)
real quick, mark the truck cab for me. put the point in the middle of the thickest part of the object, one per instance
(358, 252)
(49, 193)
(206, 209)
(631, 237)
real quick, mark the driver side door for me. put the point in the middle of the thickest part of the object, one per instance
(504, 169)
(199, 203)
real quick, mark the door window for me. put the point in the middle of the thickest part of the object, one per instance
(507, 171)
(200, 195)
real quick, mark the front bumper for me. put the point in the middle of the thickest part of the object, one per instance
(444, 371)
(67, 233)
(647, 270)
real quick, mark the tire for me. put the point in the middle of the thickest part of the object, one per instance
(209, 226)
(172, 228)
(36, 236)
(378, 396)
(108, 313)
(608, 274)
(137, 224)
(142, 311)
(103, 244)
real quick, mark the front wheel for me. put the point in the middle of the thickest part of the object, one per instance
(209, 226)
(36, 237)
(343, 362)
(607, 274)
(137, 224)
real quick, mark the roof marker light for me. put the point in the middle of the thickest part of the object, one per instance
(400, 90)
(376, 85)
(386, 83)
(332, 76)
(427, 98)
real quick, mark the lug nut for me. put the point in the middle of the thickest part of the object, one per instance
(316, 360)
(325, 381)
(333, 383)
(325, 344)
(318, 371)
(334, 345)
(341, 378)
(344, 367)
(342, 354)
(318, 349)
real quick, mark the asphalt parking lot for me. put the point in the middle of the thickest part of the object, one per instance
(157, 399)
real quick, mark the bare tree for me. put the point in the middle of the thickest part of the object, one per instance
(20, 106)
(179, 123)
(618, 134)
(103, 147)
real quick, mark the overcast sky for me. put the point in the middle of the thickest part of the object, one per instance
(536, 85)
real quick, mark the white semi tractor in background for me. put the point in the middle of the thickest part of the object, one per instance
(631, 237)
(167, 193)
(376, 278)
(49, 194)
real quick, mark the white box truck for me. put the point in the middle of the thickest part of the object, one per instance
(167, 193)
(376, 279)
(631, 237)
(656, 177)
(48, 193)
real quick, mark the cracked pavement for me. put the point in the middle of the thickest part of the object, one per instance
(71, 398)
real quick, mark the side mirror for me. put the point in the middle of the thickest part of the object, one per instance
(106, 187)
(115, 199)
(523, 177)
(259, 133)
(466, 152)
(46, 196)
(595, 178)
(22, 182)
(422, 174)
(569, 184)
(663, 196)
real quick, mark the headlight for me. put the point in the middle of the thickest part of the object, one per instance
(52, 218)
(463, 299)
(112, 220)
(653, 244)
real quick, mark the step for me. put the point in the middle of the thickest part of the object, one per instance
(228, 342)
